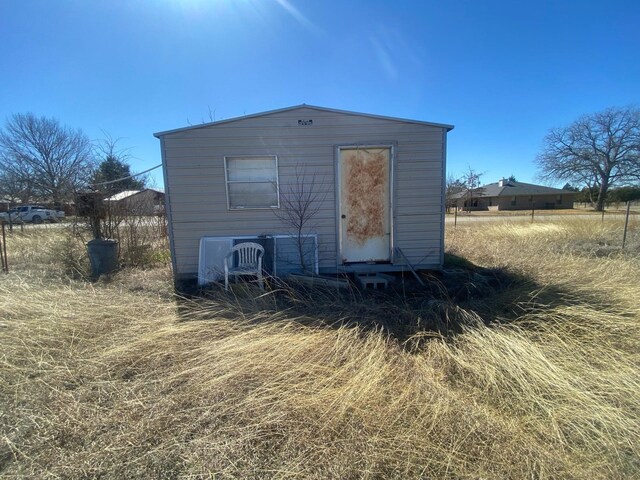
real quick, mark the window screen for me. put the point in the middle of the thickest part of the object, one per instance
(252, 182)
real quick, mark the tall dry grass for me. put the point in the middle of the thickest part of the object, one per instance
(121, 379)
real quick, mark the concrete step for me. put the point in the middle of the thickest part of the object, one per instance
(372, 280)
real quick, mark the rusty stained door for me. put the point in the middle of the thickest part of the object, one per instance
(365, 204)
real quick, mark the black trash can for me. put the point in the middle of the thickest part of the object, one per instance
(103, 255)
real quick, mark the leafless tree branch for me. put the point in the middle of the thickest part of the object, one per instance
(52, 160)
(300, 202)
(600, 150)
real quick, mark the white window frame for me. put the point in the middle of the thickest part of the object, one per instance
(227, 181)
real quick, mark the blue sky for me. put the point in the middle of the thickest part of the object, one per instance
(503, 72)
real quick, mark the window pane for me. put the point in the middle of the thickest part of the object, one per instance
(252, 182)
(253, 195)
(251, 169)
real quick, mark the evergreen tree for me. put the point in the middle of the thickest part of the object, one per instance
(570, 188)
(114, 167)
(624, 194)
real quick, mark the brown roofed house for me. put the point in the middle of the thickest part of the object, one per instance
(511, 195)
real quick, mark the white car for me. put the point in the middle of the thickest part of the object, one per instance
(32, 213)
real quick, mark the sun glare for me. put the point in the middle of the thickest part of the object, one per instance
(257, 8)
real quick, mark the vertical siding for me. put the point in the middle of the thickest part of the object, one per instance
(195, 182)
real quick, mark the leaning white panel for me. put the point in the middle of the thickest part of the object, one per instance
(211, 258)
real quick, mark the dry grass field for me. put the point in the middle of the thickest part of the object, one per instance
(534, 375)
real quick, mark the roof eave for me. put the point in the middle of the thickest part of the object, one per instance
(304, 105)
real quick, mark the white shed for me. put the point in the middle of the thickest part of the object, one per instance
(374, 187)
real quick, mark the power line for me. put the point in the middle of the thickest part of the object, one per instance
(126, 178)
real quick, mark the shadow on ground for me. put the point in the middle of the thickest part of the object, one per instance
(462, 295)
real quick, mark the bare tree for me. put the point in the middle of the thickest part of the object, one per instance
(454, 187)
(211, 117)
(53, 159)
(471, 186)
(15, 188)
(599, 150)
(300, 202)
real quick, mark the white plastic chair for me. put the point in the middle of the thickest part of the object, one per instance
(249, 262)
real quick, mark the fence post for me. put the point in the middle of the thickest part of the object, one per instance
(626, 224)
(3, 253)
(533, 211)
(455, 216)
(1, 245)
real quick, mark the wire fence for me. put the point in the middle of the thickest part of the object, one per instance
(629, 210)
(464, 219)
(626, 219)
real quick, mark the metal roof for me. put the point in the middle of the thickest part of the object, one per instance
(129, 193)
(304, 105)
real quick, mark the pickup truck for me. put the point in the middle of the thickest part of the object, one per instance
(31, 213)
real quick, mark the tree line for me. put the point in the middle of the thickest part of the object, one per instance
(42, 160)
(614, 195)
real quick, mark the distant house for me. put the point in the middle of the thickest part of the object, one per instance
(138, 202)
(511, 195)
(381, 178)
